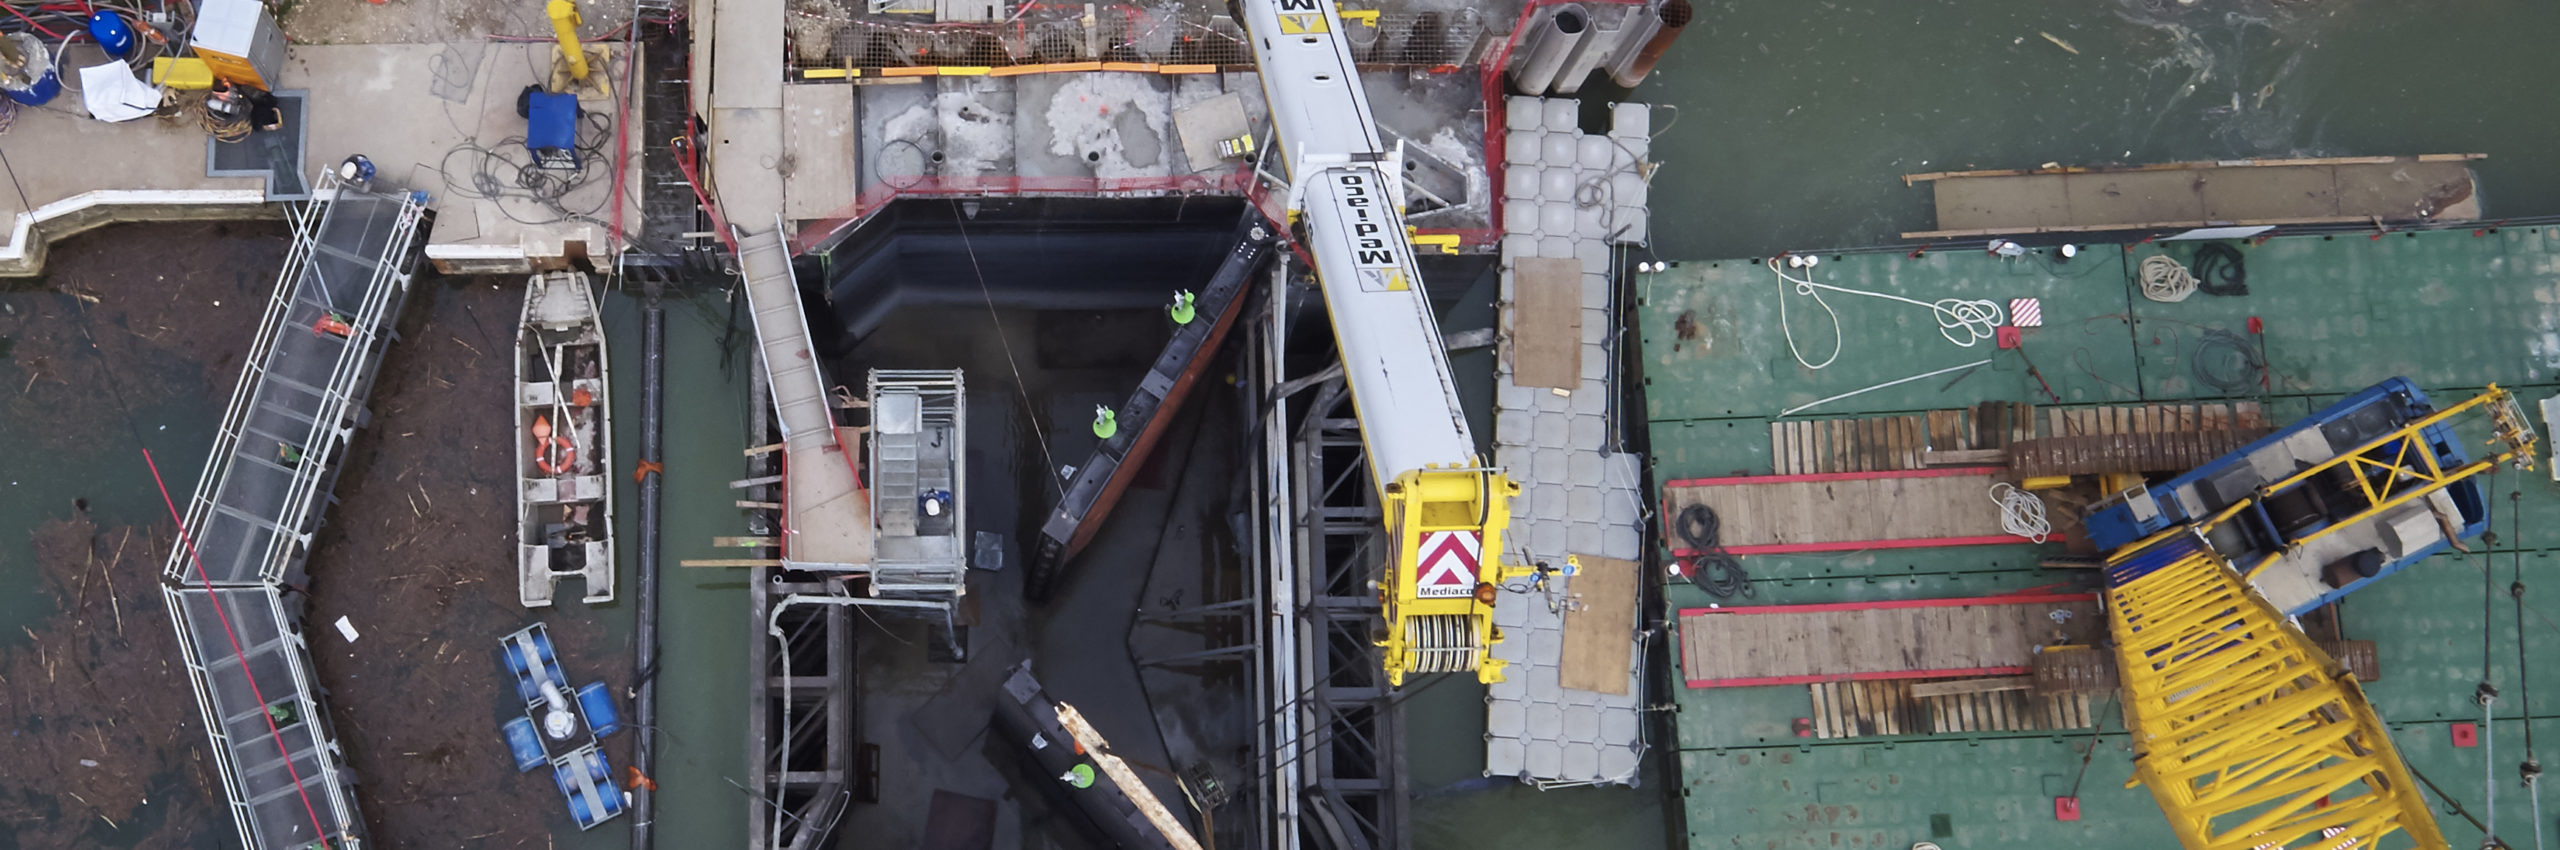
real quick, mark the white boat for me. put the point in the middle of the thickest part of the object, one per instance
(564, 498)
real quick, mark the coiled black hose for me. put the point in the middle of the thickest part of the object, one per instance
(1711, 568)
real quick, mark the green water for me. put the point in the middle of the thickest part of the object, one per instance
(703, 625)
(1797, 120)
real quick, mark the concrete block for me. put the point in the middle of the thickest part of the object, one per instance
(1509, 689)
(1556, 246)
(1511, 456)
(1595, 368)
(1516, 245)
(1510, 396)
(1585, 538)
(1506, 757)
(1524, 147)
(1559, 150)
(1580, 761)
(1507, 618)
(1629, 120)
(1512, 426)
(1615, 762)
(1524, 113)
(1545, 758)
(1504, 719)
(1582, 504)
(1547, 539)
(1563, 115)
(1595, 333)
(1521, 181)
(1541, 678)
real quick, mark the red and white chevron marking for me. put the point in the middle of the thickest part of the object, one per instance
(1448, 560)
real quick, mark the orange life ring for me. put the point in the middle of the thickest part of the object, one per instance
(552, 455)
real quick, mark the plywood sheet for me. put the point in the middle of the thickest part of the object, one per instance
(1915, 638)
(1859, 510)
(1546, 323)
(820, 141)
(1599, 636)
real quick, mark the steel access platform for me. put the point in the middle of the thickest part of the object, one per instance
(248, 528)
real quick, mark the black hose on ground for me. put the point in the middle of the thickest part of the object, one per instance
(1710, 567)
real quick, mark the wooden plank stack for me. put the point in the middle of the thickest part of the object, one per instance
(1890, 443)
(2175, 437)
(1906, 707)
(2149, 438)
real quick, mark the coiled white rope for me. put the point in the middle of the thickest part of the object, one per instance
(2021, 512)
(1962, 321)
(2165, 281)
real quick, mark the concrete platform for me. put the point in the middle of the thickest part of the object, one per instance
(434, 117)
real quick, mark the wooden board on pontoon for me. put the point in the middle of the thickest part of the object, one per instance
(1600, 636)
(1811, 513)
(1911, 638)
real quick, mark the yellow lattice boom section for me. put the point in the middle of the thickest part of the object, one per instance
(2247, 734)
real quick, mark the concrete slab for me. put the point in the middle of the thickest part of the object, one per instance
(820, 137)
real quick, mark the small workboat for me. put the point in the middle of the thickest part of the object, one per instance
(564, 451)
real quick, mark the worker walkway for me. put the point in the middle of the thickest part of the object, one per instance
(265, 485)
(1901, 639)
(826, 514)
(2450, 310)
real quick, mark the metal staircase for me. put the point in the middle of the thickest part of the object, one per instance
(827, 524)
(2246, 733)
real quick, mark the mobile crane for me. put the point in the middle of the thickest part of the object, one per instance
(1445, 508)
(2246, 733)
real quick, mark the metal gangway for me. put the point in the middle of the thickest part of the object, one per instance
(247, 530)
(826, 515)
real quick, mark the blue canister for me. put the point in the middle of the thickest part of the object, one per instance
(112, 33)
(597, 703)
(524, 744)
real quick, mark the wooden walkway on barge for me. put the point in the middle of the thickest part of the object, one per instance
(1896, 639)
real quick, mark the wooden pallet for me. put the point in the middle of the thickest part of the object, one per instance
(1984, 434)
(1894, 443)
(1904, 707)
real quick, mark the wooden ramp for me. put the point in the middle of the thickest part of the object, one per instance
(1857, 709)
(1839, 511)
(1895, 639)
(2227, 193)
(1600, 630)
(828, 514)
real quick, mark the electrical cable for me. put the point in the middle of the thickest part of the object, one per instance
(2219, 270)
(1711, 568)
(1977, 319)
(2228, 363)
(2021, 512)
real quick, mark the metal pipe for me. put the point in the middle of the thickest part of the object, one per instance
(644, 707)
(1609, 25)
(1548, 43)
(1630, 70)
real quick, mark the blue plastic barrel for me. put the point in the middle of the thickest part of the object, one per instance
(597, 703)
(112, 33)
(523, 743)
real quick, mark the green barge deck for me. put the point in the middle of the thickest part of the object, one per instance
(2452, 310)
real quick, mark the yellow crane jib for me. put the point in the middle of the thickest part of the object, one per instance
(2245, 732)
(1445, 571)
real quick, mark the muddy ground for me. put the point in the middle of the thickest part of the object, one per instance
(417, 555)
